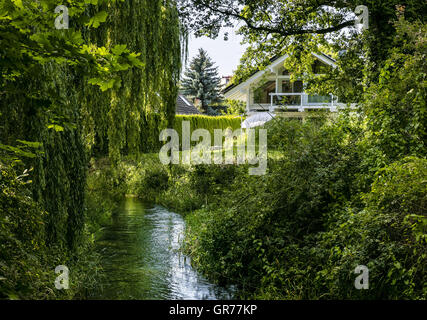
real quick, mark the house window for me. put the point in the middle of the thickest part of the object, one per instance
(290, 87)
(286, 86)
(298, 86)
(262, 94)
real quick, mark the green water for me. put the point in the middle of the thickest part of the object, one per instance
(141, 258)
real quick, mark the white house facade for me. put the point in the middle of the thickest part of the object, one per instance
(271, 90)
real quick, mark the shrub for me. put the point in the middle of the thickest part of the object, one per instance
(257, 226)
(156, 180)
(388, 236)
(22, 245)
(300, 231)
(27, 263)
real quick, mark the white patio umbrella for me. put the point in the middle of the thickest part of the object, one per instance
(257, 120)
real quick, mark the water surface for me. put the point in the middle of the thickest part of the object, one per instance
(141, 258)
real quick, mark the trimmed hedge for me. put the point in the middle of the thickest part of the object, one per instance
(207, 122)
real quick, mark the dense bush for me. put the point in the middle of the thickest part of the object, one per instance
(259, 217)
(229, 107)
(300, 231)
(388, 236)
(396, 106)
(143, 176)
(22, 269)
(181, 188)
(27, 262)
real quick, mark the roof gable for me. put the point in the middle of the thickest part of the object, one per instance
(274, 63)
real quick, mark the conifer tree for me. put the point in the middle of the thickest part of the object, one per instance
(201, 80)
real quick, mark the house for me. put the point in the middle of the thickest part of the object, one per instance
(183, 106)
(270, 89)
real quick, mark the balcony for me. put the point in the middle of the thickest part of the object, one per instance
(297, 102)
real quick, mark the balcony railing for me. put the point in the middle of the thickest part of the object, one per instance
(302, 101)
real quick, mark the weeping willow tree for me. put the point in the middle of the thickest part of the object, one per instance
(52, 119)
(43, 110)
(55, 106)
(128, 118)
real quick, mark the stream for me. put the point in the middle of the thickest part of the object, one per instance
(141, 258)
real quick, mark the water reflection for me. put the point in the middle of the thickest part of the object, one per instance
(141, 258)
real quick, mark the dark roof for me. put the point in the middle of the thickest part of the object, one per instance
(183, 106)
(328, 56)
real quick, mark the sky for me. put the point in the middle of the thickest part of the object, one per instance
(225, 54)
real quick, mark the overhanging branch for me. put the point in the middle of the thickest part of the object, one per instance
(279, 31)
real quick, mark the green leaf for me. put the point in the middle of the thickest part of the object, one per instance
(31, 144)
(103, 84)
(134, 60)
(18, 3)
(56, 127)
(119, 49)
(98, 19)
